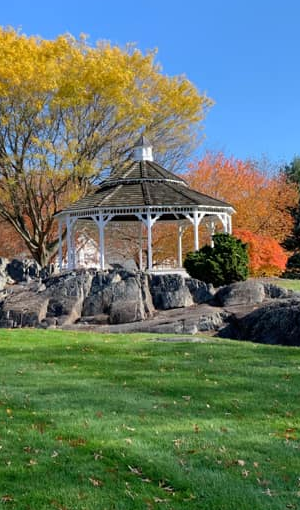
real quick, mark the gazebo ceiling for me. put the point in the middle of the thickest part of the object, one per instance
(145, 184)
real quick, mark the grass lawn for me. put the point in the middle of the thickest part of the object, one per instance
(95, 422)
(288, 284)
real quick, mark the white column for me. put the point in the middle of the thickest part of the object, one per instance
(141, 246)
(60, 245)
(101, 225)
(149, 238)
(180, 231)
(225, 223)
(211, 228)
(196, 235)
(73, 244)
(229, 224)
(69, 242)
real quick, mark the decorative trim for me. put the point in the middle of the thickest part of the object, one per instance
(126, 211)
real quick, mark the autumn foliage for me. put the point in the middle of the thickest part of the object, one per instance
(262, 201)
(68, 111)
(266, 256)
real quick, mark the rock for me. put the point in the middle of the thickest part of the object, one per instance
(15, 269)
(169, 291)
(66, 294)
(276, 322)
(3, 265)
(125, 311)
(201, 292)
(121, 294)
(23, 307)
(241, 293)
(174, 291)
(3, 281)
(123, 263)
(49, 270)
(18, 270)
(275, 292)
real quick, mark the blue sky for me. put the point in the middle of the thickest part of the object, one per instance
(243, 53)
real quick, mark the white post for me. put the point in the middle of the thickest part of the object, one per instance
(225, 223)
(211, 229)
(141, 247)
(69, 244)
(149, 233)
(229, 224)
(101, 225)
(196, 235)
(73, 244)
(60, 245)
(179, 246)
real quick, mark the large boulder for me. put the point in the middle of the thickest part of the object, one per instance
(241, 293)
(174, 291)
(276, 292)
(123, 295)
(23, 306)
(66, 293)
(21, 270)
(276, 322)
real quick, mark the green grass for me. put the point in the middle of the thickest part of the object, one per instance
(119, 422)
(288, 284)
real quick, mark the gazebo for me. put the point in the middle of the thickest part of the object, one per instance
(144, 193)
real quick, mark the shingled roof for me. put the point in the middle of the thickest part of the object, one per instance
(144, 184)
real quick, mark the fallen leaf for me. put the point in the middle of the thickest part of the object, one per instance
(132, 429)
(241, 462)
(96, 482)
(77, 442)
(7, 498)
(223, 429)
(32, 462)
(245, 473)
(98, 455)
(135, 471)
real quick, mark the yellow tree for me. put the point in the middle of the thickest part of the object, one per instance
(68, 111)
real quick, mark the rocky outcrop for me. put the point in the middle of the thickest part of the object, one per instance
(66, 294)
(121, 294)
(241, 293)
(276, 322)
(122, 300)
(250, 292)
(190, 320)
(174, 291)
(23, 306)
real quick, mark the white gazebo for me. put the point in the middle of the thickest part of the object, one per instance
(145, 193)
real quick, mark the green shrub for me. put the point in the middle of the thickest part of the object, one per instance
(226, 263)
(292, 267)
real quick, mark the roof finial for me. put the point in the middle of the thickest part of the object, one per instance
(143, 150)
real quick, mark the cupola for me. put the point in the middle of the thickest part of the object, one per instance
(143, 150)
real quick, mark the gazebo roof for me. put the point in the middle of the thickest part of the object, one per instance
(144, 184)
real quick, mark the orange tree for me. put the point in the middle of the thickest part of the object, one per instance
(263, 201)
(266, 256)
